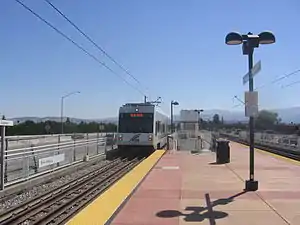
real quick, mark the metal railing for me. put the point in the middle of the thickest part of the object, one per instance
(28, 140)
(27, 162)
(172, 143)
(277, 140)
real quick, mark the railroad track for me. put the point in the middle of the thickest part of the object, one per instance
(56, 207)
(292, 154)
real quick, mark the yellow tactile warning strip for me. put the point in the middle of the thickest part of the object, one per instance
(103, 207)
(274, 155)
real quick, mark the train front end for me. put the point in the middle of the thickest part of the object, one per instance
(135, 129)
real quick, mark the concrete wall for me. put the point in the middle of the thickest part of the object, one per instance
(188, 116)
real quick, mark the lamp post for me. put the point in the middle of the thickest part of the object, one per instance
(62, 108)
(199, 117)
(250, 41)
(172, 123)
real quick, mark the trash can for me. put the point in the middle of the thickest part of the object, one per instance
(223, 151)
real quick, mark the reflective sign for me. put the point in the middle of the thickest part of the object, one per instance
(251, 104)
(51, 160)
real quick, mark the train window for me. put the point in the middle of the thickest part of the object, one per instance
(163, 128)
(135, 123)
(157, 127)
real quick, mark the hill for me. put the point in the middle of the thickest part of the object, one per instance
(287, 115)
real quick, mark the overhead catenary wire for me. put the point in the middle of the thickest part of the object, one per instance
(276, 80)
(91, 40)
(290, 84)
(77, 45)
(279, 78)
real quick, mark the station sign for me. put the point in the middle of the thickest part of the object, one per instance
(251, 104)
(51, 160)
(101, 127)
(256, 68)
(6, 123)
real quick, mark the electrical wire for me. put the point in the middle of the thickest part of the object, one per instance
(279, 79)
(275, 81)
(91, 40)
(76, 44)
(290, 84)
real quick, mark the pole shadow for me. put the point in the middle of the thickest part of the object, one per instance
(200, 213)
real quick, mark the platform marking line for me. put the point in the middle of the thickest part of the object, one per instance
(273, 155)
(102, 208)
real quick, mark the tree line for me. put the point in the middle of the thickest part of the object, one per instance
(52, 127)
(265, 121)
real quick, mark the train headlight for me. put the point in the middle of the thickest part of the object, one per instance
(150, 138)
(120, 137)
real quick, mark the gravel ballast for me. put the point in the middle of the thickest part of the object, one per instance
(52, 184)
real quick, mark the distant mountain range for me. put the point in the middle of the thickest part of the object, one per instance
(287, 115)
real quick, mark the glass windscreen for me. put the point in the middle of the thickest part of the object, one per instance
(136, 123)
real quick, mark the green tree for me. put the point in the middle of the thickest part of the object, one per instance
(32, 128)
(216, 119)
(68, 120)
(266, 119)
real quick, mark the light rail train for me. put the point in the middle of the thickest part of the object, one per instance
(142, 125)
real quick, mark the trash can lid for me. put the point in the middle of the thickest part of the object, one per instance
(222, 140)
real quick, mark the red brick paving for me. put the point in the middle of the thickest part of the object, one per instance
(200, 192)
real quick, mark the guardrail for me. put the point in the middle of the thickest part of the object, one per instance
(267, 141)
(28, 137)
(25, 163)
(276, 138)
(28, 141)
(284, 150)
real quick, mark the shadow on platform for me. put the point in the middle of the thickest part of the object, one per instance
(218, 163)
(200, 213)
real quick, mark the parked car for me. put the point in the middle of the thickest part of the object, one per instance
(77, 136)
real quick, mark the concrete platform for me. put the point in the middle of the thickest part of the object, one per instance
(191, 189)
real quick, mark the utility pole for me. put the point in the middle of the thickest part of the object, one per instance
(172, 122)
(62, 108)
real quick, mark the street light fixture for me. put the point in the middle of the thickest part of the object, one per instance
(235, 38)
(172, 123)
(199, 117)
(62, 108)
(250, 42)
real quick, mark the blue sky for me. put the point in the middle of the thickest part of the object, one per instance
(174, 48)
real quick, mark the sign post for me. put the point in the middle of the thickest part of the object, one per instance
(47, 128)
(251, 110)
(3, 124)
(101, 129)
(256, 68)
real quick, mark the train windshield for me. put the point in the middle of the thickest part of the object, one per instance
(135, 123)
